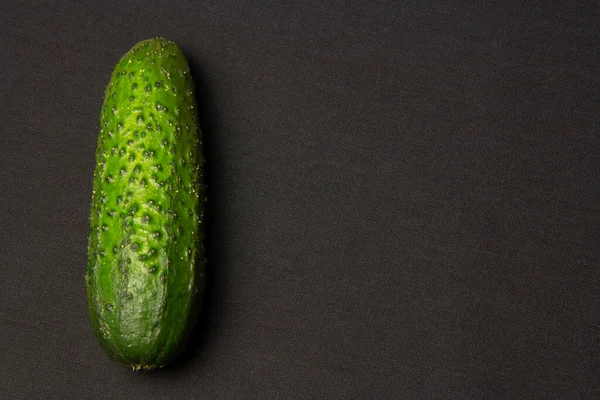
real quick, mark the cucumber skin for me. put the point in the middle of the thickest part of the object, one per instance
(145, 271)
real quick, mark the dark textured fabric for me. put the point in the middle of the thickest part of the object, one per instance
(404, 198)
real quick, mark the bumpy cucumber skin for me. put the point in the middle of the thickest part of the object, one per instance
(145, 272)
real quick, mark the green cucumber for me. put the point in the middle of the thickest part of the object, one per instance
(145, 271)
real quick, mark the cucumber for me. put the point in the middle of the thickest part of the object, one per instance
(145, 271)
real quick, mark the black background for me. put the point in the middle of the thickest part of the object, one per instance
(404, 198)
